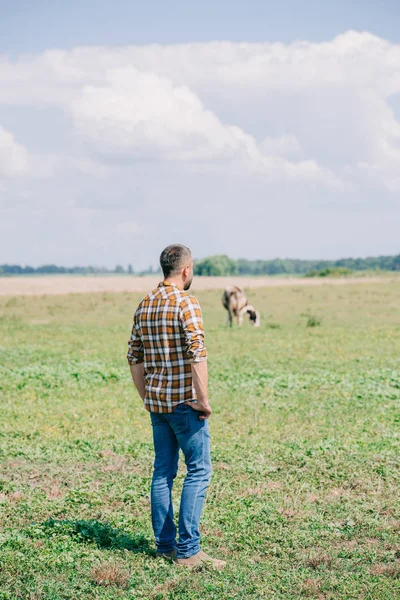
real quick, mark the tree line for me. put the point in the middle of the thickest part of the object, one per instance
(56, 270)
(222, 265)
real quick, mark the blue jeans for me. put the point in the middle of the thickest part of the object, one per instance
(181, 429)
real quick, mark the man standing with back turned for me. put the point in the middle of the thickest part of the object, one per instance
(168, 362)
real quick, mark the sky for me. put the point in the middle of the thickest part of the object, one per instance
(262, 129)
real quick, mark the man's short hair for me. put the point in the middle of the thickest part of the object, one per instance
(173, 258)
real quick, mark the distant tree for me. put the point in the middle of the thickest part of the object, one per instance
(130, 270)
(51, 269)
(219, 265)
(119, 269)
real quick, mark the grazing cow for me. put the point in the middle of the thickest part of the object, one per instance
(235, 301)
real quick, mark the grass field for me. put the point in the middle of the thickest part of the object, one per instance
(304, 497)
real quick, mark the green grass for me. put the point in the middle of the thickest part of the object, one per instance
(305, 442)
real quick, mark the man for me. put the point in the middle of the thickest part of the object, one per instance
(168, 362)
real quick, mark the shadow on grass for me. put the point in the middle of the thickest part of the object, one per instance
(102, 534)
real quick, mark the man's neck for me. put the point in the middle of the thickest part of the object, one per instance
(174, 281)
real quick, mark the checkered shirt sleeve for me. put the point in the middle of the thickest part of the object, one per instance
(135, 345)
(192, 325)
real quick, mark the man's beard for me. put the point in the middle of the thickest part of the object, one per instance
(187, 285)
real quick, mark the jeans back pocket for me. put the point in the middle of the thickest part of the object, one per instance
(178, 419)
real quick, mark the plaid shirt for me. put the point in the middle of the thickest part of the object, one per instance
(167, 335)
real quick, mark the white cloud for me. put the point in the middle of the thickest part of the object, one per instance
(169, 102)
(14, 160)
(236, 128)
(353, 58)
(16, 163)
(284, 145)
(144, 116)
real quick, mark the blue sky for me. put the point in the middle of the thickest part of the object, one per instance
(256, 129)
(27, 26)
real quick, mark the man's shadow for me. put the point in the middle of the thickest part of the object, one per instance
(102, 534)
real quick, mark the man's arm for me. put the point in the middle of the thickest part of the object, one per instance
(192, 325)
(200, 382)
(137, 372)
(135, 358)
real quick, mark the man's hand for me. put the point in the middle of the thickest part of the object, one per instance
(204, 409)
(200, 382)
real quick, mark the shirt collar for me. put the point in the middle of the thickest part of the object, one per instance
(169, 284)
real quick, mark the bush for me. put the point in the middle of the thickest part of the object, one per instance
(219, 265)
(313, 321)
(330, 272)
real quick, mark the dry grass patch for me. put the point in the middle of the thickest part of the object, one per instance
(388, 570)
(107, 453)
(162, 590)
(222, 466)
(110, 574)
(15, 496)
(11, 497)
(312, 498)
(209, 532)
(338, 492)
(117, 465)
(395, 524)
(319, 560)
(262, 487)
(288, 513)
(54, 492)
(311, 588)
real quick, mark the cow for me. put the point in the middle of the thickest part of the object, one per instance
(235, 301)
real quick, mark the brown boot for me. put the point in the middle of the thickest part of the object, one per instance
(171, 556)
(201, 558)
